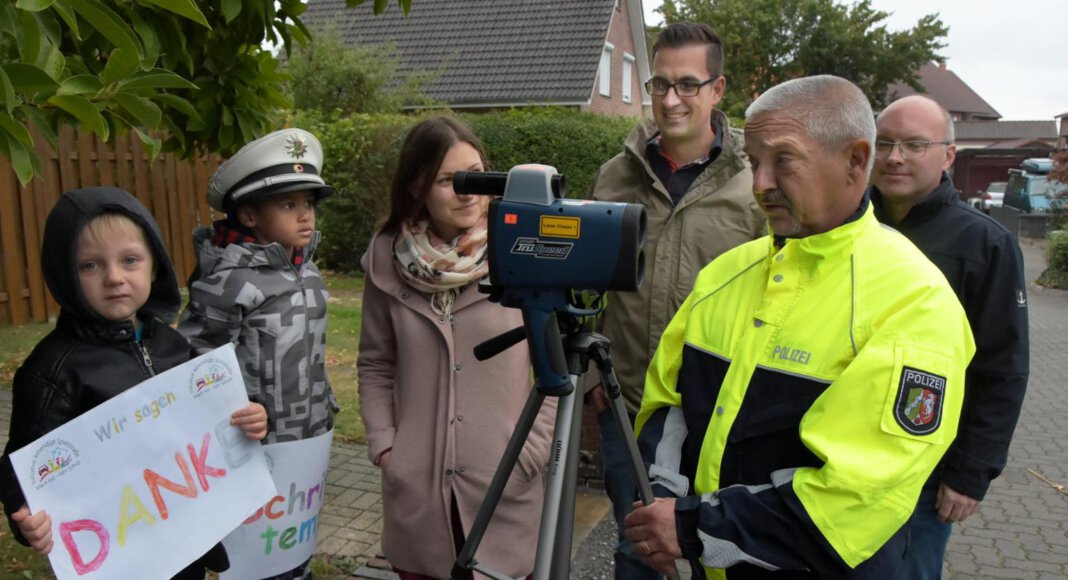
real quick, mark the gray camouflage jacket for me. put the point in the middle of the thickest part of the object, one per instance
(275, 314)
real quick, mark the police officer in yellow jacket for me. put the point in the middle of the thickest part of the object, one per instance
(813, 379)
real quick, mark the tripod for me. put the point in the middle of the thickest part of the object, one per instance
(553, 557)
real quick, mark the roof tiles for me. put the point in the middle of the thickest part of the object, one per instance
(485, 51)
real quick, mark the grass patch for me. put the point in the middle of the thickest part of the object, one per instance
(18, 341)
(18, 561)
(342, 345)
(342, 342)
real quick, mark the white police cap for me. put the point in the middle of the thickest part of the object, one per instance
(281, 162)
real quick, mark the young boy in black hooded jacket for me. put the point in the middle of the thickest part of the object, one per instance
(105, 263)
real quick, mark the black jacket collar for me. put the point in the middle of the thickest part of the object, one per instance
(945, 194)
(102, 332)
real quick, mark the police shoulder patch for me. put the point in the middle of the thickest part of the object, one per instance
(918, 405)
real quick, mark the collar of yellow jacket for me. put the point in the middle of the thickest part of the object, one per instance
(829, 244)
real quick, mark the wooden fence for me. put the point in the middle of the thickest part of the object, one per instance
(173, 190)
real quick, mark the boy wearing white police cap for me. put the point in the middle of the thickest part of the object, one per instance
(256, 285)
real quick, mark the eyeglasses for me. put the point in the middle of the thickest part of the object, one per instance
(685, 88)
(908, 149)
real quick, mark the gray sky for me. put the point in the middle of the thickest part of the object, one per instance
(1014, 53)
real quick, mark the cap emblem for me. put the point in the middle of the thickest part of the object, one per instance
(296, 146)
(298, 168)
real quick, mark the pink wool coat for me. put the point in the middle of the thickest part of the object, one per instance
(447, 418)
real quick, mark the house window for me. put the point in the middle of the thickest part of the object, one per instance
(628, 71)
(604, 73)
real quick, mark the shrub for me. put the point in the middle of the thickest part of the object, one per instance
(575, 143)
(1056, 274)
(330, 74)
(361, 155)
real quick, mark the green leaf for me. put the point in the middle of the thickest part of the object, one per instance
(184, 8)
(230, 9)
(38, 118)
(177, 136)
(121, 64)
(52, 29)
(380, 6)
(83, 110)
(156, 79)
(30, 38)
(16, 131)
(67, 14)
(145, 111)
(179, 104)
(300, 33)
(22, 160)
(54, 63)
(29, 79)
(76, 65)
(149, 39)
(80, 85)
(104, 20)
(226, 137)
(11, 100)
(152, 144)
(8, 17)
(34, 5)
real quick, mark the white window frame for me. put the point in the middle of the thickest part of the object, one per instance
(627, 78)
(604, 71)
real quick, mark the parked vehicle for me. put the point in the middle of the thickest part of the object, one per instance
(994, 195)
(1030, 190)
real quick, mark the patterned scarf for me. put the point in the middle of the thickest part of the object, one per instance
(227, 233)
(441, 271)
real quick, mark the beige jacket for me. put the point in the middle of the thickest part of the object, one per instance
(447, 419)
(716, 214)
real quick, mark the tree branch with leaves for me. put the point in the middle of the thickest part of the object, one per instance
(767, 42)
(183, 75)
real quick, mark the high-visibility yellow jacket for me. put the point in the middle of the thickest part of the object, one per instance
(800, 398)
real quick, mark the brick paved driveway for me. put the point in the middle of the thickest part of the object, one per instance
(1021, 529)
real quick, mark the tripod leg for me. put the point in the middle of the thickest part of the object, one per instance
(466, 560)
(554, 491)
(645, 489)
(600, 354)
(566, 522)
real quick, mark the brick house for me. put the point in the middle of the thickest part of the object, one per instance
(1006, 134)
(987, 147)
(945, 87)
(587, 54)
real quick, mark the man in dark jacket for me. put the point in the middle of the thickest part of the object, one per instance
(981, 260)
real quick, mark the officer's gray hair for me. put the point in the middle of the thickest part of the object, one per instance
(833, 110)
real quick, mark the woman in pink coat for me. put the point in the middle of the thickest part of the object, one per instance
(437, 419)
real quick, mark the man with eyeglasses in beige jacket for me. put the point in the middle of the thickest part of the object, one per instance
(686, 166)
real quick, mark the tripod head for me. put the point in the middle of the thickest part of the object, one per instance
(543, 246)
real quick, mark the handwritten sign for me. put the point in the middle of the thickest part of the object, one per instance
(281, 535)
(147, 482)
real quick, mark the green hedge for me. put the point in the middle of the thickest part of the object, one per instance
(1056, 274)
(361, 155)
(576, 144)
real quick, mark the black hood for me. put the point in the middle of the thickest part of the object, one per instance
(71, 213)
